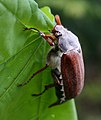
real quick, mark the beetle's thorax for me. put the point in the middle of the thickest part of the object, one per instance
(54, 58)
(67, 41)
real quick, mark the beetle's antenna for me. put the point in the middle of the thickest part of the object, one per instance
(57, 19)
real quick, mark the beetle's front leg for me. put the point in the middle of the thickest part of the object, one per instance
(49, 38)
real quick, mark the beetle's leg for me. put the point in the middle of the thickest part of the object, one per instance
(46, 37)
(55, 103)
(46, 88)
(52, 39)
(42, 69)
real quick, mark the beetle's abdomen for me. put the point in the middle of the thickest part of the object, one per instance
(72, 69)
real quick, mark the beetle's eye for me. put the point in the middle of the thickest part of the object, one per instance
(58, 34)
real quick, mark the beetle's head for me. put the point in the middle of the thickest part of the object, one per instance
(57, 33)
(66, 39)
(58, 29)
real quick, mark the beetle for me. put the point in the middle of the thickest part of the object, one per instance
(66, 62)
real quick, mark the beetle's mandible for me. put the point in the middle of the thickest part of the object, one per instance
(66, 62)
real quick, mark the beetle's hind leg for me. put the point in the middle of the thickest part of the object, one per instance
(58, 102)
(46, 88)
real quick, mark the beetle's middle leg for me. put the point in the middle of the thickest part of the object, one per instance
(26, 82)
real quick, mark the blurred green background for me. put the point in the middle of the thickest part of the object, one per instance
(83, 17)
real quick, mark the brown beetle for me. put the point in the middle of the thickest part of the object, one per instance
(66, 62)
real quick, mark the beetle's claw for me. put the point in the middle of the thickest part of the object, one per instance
(55, 103)
(36, 94)
(19, 85)
(27, 29)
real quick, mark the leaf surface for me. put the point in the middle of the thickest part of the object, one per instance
(21, 54)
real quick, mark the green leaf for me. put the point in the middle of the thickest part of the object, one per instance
(21, 54)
